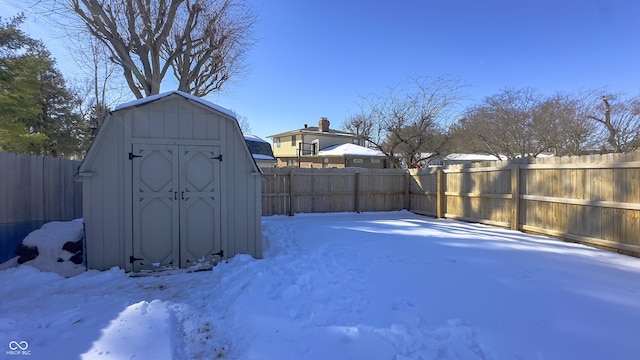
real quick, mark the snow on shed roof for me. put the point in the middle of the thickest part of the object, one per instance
(349, 150)
(152, 98)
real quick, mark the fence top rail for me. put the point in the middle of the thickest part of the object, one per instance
(424, 171)
(605, 161)
(611, 165)
(476, 169)
(332, 171)
(7, 155)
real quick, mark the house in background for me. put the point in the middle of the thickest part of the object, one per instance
(453, 159)
(347, 155)
(261, 151)
(324, 147)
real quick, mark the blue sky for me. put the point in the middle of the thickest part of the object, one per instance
(317, 58)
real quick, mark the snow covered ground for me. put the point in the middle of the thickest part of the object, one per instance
(342, 286)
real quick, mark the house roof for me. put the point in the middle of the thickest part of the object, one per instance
(462, 157)
(153, 98)
(315, 131)
(471, 157)
(349, 150)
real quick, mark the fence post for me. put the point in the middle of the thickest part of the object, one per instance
(440, 198)
(291, 193)
(357, 190)
(407, 190)
(515, 196)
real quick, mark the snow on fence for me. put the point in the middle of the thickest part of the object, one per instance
(592, 199)
(34, 190)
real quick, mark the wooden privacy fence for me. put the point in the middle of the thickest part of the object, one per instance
(289, 191)
(592, 199)
(34, 190)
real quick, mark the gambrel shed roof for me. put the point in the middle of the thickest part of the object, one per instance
(140, 102)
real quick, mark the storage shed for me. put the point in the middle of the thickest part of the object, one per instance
(169, 183)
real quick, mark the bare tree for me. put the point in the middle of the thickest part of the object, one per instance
(562, 126)
(408, 125)
(359, 124)
(621, 122)
(99, 86)
(243, 122)
(522, 122)
(502, 125)
(210, 50)
(202, 42)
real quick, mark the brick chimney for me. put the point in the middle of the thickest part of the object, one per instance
(323, 124)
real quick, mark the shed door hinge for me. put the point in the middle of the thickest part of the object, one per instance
(131, 156)
(219, 157)
(132, 259)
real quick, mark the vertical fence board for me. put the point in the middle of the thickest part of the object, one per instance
(595, 218)
(607, 220)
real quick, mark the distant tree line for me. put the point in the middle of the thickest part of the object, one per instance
(424, 121)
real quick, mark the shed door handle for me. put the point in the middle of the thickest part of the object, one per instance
(183, 195)
(175, 195)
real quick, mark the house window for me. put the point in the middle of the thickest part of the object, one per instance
(293, 140)
(292, 162)
(278, 142)
(325, 163)
(356, 141)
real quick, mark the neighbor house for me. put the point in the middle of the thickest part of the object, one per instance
(324, 147)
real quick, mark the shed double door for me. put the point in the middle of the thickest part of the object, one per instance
(176, 214)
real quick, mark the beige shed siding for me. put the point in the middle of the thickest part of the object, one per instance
(107, 196)
(243, 225)
(93, 228)
(164, 119)
(104, 203)
(113, 204)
